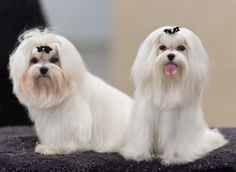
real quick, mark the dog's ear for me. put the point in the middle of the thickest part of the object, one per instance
(140, 72)
(18, 64)
(142, 68)
(198, 57)
(71, 61)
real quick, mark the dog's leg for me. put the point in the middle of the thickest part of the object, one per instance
(139, 140)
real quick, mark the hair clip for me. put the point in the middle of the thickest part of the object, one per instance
(46, 49)
(170, 31)
(176, 29)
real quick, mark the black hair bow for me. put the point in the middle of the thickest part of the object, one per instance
(46, 49)
(170, 31)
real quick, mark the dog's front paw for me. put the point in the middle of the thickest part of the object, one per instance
(46, 150)
(175, 159)
(136, 155)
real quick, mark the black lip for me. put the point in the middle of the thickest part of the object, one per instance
(43, 76)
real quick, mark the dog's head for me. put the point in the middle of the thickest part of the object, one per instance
(44, 68)
(174, 62)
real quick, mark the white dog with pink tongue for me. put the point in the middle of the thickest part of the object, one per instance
(170, 73)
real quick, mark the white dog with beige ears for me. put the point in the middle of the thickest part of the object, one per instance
(170, 73)
(72, 109)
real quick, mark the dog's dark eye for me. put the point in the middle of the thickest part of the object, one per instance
(54, 60)
(162, 48)
(34, 60)
(181, 48)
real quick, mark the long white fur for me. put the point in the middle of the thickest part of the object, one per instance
(167, 118)
(84, 114)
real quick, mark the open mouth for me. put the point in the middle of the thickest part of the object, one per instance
(171, 70)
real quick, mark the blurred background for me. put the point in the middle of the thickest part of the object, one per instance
(108, 35)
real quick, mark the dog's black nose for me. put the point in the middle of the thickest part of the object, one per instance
(43, 70)
(171, 56)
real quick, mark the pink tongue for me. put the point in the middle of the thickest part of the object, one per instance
(170, 70)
